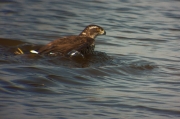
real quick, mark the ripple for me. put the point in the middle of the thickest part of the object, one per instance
(68, 81)
(6, 1)
(143, 66)
(133, 73)
(150, 39)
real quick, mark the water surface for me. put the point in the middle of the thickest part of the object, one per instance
(133, 73)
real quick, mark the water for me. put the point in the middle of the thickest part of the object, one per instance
(134, 72)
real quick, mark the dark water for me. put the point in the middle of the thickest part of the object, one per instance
(134, 72)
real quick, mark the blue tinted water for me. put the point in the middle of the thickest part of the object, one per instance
(133, 74)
